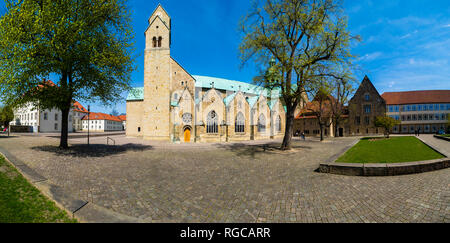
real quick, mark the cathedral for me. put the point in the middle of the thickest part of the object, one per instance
(176, 106)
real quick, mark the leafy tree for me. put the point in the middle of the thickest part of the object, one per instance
(387, 123)
(6, 115)
(86, 44)
(305, 38)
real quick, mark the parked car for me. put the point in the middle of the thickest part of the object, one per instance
(441, 132)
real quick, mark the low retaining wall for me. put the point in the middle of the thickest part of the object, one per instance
(392, 169)
(442, 137)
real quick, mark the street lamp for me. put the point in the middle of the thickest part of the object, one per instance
(89, 111)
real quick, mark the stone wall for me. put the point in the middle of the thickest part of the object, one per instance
(134, 118)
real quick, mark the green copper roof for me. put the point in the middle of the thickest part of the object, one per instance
(228, 99)
(174, 103)
(219, 84)
(136, 94)
(252, 100)
(271, 103)
(232, 85)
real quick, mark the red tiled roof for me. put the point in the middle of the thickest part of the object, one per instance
(122, 117)
(101, 116)
(310, 107)
(417, 97)
(48, 82)
(78, 107)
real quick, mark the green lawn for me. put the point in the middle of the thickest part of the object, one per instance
(393, 150)
(21, 202)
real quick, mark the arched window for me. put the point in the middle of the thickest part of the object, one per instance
(154, 42)
(261, 123)
(212, 123)
(278, 124)
(239, 126)
(159, 41)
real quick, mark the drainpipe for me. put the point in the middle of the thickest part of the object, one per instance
(195, 120)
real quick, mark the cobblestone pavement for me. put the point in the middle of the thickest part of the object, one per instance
(159, 182)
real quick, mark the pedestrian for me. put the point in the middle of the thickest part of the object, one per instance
(418, 132)
(303, 136)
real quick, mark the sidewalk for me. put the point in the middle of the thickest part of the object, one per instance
(442, 145)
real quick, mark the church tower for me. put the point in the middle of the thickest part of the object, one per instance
(157, 77)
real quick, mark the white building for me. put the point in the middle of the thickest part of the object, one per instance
(48, 120)
(78, 113)
(100, 122)
(123, 118)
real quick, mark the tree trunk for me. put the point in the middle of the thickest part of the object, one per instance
(321, 132)
(63, 144)
(287, 140)
(336, 129)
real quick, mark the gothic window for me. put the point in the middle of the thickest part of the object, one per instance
(278, 124)
(261, 123)
(240, 123)
(212, 123)
(175, 96)
(187, 118)
(159, 41)
(154, 41)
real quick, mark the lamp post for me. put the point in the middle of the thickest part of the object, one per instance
(89, 111)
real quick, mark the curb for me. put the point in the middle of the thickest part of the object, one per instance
(442, 138)
(83, 211)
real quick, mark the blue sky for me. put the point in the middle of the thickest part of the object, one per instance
(406, 43)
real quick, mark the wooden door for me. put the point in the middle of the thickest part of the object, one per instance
(187, 135)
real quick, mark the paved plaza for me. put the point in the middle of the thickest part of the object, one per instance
(243, 182)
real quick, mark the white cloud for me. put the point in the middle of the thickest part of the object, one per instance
(409, 34)
(371, 56)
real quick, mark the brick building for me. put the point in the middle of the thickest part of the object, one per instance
(363, 108)
(358, 116)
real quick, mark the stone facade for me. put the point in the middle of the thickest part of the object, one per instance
(363, 108)
(176, 106)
